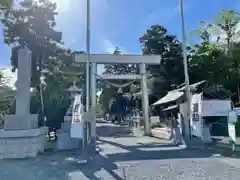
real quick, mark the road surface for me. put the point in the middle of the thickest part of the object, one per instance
(136, 158)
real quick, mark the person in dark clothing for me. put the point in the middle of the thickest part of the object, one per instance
(121, 106)
(113, 109)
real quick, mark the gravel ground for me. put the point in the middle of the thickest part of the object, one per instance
(141, 158)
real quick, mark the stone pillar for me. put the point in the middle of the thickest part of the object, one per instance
(22, 119)
(145, 101)
(23, 82)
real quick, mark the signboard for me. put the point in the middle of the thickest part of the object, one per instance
(77, 130)
(232, 132)
(77, 124)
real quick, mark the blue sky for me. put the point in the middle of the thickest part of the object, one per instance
(121, 22)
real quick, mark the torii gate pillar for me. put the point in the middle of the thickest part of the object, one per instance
(93, 89)
(145, 99)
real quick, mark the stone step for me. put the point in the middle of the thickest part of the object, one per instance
(68, 118)
(109, 130)
(65, 127)
(161, 133)
(64, 142)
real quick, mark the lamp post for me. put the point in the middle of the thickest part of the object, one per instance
(187, 130)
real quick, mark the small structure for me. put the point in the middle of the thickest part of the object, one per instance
(21, 136)
(64, 141)
(208, 110)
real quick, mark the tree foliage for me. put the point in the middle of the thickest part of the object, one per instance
(227, 23)
(32, 26)
(156, 40)
(6, 4)
(213, 62)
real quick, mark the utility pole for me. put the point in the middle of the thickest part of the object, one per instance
(187, 128)
(88, 57)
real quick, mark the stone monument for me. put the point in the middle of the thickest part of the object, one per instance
(21, 136)
(23, 84)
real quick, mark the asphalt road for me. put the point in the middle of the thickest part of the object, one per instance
(136, 158)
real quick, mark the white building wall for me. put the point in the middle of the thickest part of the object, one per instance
(215, 107)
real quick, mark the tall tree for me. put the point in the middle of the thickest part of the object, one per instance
(170, 73)
(211, 65)
(32, 26)
(210, 61)
(204, 32)
(227, 22)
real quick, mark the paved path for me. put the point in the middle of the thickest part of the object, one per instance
(143, 158)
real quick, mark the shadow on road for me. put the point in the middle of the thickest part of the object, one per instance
(65, 165)
(163, 151)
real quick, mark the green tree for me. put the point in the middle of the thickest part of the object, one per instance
(60, 73)
(6, 4)
(6, 96)
(227, 22)
(210, 61)
(1, 78)
(204, 32)
(32, 26)
(211, 65)
(170, 73)
(107, 90)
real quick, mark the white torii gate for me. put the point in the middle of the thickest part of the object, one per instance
(142, 60)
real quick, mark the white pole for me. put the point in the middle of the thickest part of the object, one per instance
(85, 127)
(187, 131)
(88, 56)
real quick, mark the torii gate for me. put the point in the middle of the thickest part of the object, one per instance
(142, 60)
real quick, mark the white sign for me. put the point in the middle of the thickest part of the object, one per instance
(232, 132)
(77, 130)
(77, 125)
(196, 118)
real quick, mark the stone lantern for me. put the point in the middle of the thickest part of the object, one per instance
(74, 90)
(64, 141)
